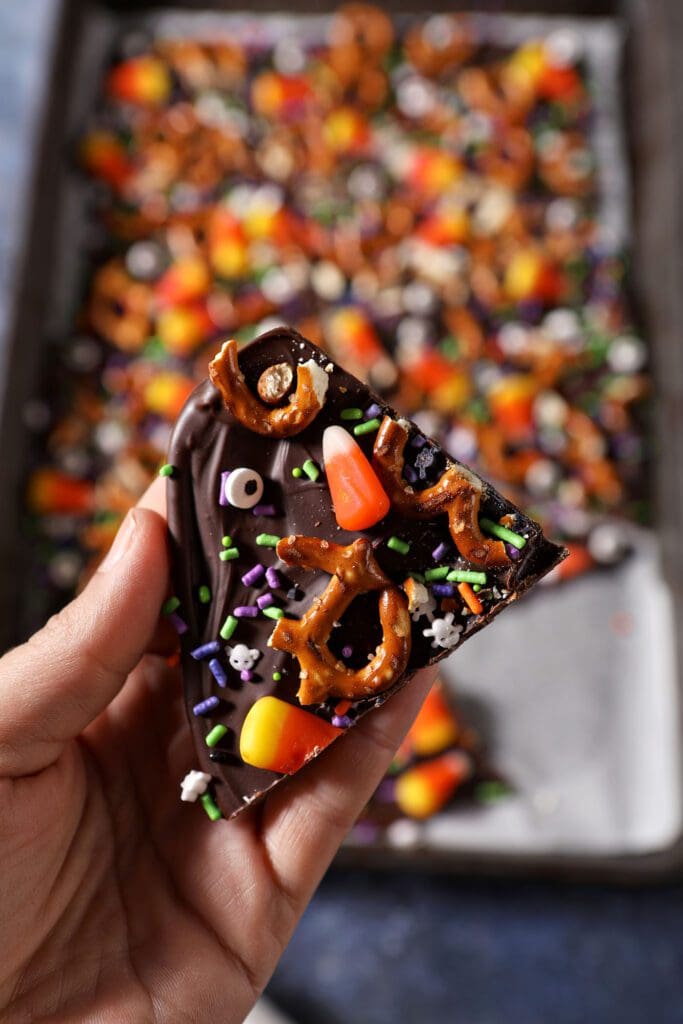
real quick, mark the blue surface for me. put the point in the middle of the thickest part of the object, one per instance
(408, 949)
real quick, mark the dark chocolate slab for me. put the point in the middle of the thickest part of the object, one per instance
(207, 440)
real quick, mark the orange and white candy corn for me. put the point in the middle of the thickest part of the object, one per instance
(280, 737)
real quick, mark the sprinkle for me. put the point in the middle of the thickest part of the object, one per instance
(263, 510)
(220, 755)
(265, 600)
(267, 540)
(502, 533)
(347, 651)
(218, 672)
(513, 552)
(440, 573)
(470, 598)
(491, 790)
(439, 551)
(418, 441)
(410, 474)
(443, 589)
(170, 605)
(273, 613)
(423, 461)
(352, 413)
(167, 470)
(205, 705)
(204, 594)
(369, 427)
(341, 707)
(229, 555)
(476, 587)
(178, 624)
(297, 472)
(246, 676)
(466, 576)
(341, 721)
(418, 576)
(222, 500)
(228, 627)
(245, 611)
(251, 578)
(277, 676)
(205, 650)
(396, 544)
(210, 806)
(272, 578)
(226, 541)
(216, 735)
(311, 470)
(372, 411)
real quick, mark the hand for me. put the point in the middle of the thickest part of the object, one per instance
(119, 902)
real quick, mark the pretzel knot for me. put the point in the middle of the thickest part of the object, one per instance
(457, 494)
(354, 571)
(283, 421)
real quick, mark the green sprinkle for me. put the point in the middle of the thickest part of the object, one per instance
(210, 806)
(396, 544)
(204, 594)
(167, 470)
(229, 555)
(216, 734)
(440, 573)
(417, 576)
(311, 470)
(170, 606)
(476, 587)
(228, 627)
(277, 676)
(490, 791)
(273, 613)
(267, 540)
(352, 413)
(466, 576)
(369, 427)
(502, 533)
(226, 541)
(297, 472)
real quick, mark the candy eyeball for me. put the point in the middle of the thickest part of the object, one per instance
(243, 658)
(244, 488)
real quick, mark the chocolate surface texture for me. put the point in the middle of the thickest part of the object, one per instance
(207, 442)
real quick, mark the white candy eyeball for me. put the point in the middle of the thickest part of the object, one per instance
(244, 488)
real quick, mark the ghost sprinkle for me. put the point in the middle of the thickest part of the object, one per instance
(193, 785)
(243, 658)
(443, 632)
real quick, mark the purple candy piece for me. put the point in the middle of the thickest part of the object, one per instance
(513, 552)
(218, 672)
(245, 611)
(205, 650)
(252, 577)
(205, 705)
(178, 624)
(263, 510)
(246, 676)
(365, 832)
(409, 473)
(386, 791)
(273, 578)
(372, 411)
(439, 552)
(443, 589)
(418, 441)
(265, 601)
(222, 500)
(341, 721)
(347, 651)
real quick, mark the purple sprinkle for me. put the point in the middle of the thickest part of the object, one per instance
(409, 473)
(273, 578)
(222, 500)
(218, 672)
(254, 575)
(205, 705)
(205, 650)
(341, 721)
(246, 676)
(372, 411)
(365, 832)
(513, 552)
(178, 624)
(347, 651)
(386, 791)
(245, 611)
(265, 601)
(418, 441)
(439, 552)
(263, 510)
(443, 589)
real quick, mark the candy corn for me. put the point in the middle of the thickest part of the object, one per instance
(435, 728)
(182, 328)
(280, 737)
(104, 156)
(358, 497)
(52, 492)
(423, 790)
(167, 393)
(142, 80)
(186, 280)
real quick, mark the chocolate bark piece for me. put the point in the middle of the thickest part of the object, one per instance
(423, 578)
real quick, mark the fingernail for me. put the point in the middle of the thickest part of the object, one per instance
(121, 545)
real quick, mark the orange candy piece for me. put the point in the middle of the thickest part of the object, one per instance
(143, 80)
(435, 728)
(358, 497)
(53, 493)
(280, 737)
(424, 789)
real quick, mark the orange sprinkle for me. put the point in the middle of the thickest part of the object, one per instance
(470, 598)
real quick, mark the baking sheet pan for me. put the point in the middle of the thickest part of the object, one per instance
(584, 721)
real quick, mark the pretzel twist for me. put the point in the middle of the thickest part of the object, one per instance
(354, 571)
(457, 494)
(284, 421)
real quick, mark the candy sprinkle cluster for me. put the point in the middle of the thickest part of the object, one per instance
(420, 201)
